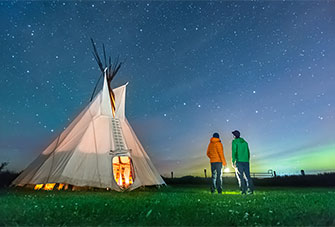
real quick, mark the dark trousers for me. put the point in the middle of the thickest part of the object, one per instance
(243, 176)
(216, 168)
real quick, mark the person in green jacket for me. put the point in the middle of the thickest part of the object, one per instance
(240, 159)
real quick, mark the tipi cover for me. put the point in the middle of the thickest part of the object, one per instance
(98, 149)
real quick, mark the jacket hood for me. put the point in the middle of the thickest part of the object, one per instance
(215, 140)
(239, 140)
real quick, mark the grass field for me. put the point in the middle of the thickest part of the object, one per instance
(169, 206)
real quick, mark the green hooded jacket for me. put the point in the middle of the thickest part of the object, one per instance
(240, 150)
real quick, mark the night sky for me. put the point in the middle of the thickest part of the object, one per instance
(194, 68)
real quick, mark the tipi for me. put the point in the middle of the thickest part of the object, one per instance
(98, 149)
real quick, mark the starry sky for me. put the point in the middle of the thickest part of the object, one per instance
(194, 68)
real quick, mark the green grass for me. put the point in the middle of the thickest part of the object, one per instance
(169, 206)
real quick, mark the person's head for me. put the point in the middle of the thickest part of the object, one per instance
(236, 134)
(216, 135)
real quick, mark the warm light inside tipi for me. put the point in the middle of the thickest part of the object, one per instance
(123, 171)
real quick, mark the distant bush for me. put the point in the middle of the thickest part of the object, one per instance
(6, 178)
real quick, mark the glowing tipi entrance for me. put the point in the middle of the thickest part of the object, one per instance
(123, 171)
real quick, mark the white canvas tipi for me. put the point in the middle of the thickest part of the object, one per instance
(98, 149)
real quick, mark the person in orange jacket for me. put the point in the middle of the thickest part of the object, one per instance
(217, 160)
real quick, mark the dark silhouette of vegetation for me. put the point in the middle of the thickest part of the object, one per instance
(191, 180)
(320, 180)
(6, 177)
(3, 165)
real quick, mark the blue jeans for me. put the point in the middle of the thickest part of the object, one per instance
(216, 168)
(243, 177)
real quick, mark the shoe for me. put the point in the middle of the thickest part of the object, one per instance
(250, 192)
(243, 193)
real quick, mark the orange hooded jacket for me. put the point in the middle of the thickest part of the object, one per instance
(215, 151)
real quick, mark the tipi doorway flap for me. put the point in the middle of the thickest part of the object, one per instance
(123, 171)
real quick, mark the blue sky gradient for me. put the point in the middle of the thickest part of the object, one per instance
(195, 68)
